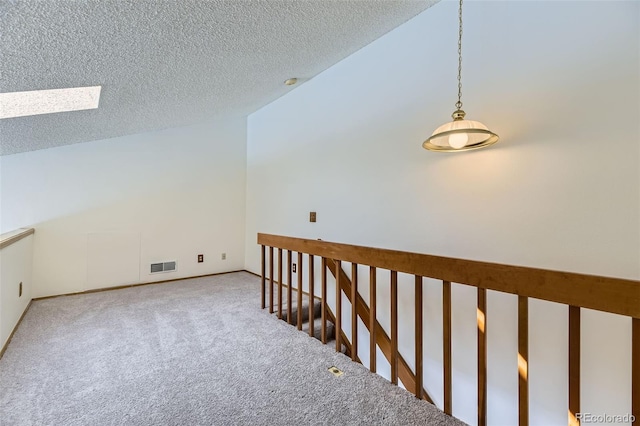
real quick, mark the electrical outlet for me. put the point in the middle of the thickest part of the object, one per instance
(312, 216)
(293, 266)
(224, 256)
(336, 371)
(20, 290)
(200, 258)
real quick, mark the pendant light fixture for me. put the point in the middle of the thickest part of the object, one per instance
(460, 134)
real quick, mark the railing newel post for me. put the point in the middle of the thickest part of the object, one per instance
(263, 286)
(270, 280)
(372, 319)
(446, 345)
(311, 296)
(481, 315)
(635, 370)
(280, 283)
(299, 307)
(338, 323)
(418, 335)
(354, 312)
(323, 312)
(394, 327)
(523, 360)
(289, 286)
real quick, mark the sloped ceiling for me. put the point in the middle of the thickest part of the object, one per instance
(168, 63)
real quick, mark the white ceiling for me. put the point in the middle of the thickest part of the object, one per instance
(168, 63)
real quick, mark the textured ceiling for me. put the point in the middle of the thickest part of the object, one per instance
(168, 63)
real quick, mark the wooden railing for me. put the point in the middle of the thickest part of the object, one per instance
(614, 295)
(13, 237)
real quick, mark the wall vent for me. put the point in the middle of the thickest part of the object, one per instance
(163, 267)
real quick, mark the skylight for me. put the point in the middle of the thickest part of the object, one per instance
(35, 102)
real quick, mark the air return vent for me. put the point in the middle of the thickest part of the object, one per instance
(163, 267)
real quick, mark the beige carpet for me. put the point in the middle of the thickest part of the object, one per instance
(192, 352)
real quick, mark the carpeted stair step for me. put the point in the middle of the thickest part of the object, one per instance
(317, 307)
(317, 329)
(317, 332)
(317, 321)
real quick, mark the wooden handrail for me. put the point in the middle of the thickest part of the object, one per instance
(13, 237)
(615, 295)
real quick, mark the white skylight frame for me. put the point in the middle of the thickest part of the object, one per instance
(36, 102)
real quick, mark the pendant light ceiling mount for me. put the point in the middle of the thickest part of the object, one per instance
(460, 134)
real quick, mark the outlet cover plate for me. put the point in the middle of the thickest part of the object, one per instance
(335, 371)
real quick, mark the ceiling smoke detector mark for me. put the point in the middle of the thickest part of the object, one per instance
(335, 371)
(36, 102)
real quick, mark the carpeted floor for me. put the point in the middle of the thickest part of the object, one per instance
(193, 352)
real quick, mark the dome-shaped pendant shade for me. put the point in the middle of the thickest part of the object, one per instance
(460, 135)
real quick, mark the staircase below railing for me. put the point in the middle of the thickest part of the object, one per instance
(578, 291)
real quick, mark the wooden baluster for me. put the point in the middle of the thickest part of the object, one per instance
(372, 319)
(482, 356)
(446, 344)
(523, 361)
(354, 313)
(311, 297)
(418, 334)
(299, 322)
(338, 325)
(270, 280)
(289, 285)
(574, 365)
(264, 282)
(280, 283)
(323, 312)
(635, 370)
(394, 327)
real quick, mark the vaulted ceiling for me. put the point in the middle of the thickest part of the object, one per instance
(168, 63)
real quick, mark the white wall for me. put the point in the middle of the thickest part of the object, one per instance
(104, 210)
(15, 268)
(559, 82)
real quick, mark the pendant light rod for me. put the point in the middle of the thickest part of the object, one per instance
(459, 103)
(460, 134)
